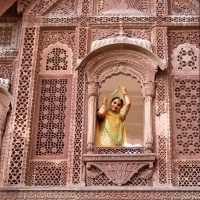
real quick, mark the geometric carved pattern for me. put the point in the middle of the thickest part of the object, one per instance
(41, 6)
(179, 37)
(5, 36)
(118, 150)
(183, 62)
(64, 8)
(19, 142)
(161, 7)
(186, 117)
(161, 122)
(161, 92)
(63, 39)
(83, 42)
(160, 33)
(162, 161)
(6, 70)
(187, 173)
(56, 60)
(185, 58)
(51, 136)
(79, 126)
(47, 173)
(94, 194)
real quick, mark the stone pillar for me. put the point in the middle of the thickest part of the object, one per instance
(5, 100)
(92, 109)
(148, 92)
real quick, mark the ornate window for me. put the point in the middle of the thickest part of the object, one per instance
(52, 117)
(137, 62)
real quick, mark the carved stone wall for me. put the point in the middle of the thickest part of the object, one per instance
(184, 48)
(30, 157)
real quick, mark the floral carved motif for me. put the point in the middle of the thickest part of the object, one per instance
(185, 58)
(64, 8)
(56, 57)
(51, 37)
(118, 173)
(183, 7)
(120, 169)
(99, 34)
(129, 7)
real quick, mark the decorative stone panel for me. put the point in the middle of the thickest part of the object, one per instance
(186, 173)
(115, 169)
(47, 173)
(56, 58)
(106, 7)
(183, 7)
(94, 194)
(51, 127)
(186, 118)
(21, 126)
(185, 59)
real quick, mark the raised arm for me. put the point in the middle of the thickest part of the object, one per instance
(102, 111)
(127, 99)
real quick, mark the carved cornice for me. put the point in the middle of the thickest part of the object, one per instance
(120, 157)
(121, 39)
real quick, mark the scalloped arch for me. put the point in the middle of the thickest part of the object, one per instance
(121, 58)
(48, 50)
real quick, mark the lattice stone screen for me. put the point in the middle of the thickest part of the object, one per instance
(51, 131)
(186, 123)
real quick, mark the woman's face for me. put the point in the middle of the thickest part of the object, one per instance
(116, 105)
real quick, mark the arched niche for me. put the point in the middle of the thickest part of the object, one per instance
(127, 59)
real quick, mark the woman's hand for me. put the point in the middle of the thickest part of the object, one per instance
(124, 91)
(102, 111)
(105, 100)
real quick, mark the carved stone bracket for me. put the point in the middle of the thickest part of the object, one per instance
(120, 168)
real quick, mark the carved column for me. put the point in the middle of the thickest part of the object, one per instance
(148, 92)
(5, 99)
(92, 109)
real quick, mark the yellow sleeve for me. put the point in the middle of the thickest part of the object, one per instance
(123, 112)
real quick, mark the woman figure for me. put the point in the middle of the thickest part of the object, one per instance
(110, 127)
